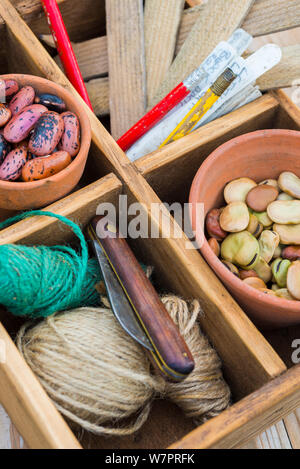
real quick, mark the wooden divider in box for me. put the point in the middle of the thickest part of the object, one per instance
(249, 361)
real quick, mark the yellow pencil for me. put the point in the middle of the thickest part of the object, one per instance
(201, 107)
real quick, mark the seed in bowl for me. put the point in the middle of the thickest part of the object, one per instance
(265, 252)
(285, 212)
(51, 101)
(44, 167)
(20, 126)
(292, 253)
(268, 242)
(269, 182)
(4, 148)
(49, 134)
(264, 219)
(290, 184)
(213, 225)
(70, 140)
(5, 114)
(284, 196)
(11, 88)
(241, 249)
(260, 197)
(11, 168)
(254, 227)
(214, 245)
(247, 274)
(24, 98)
(289, 234)
(277, 252)
(255, 282)
(284, 293)
(232, 268)
(293, 280)
(237, 190)
(263, 270)
(280, 269)
(235, 217)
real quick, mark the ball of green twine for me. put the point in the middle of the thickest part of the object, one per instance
(39, 281)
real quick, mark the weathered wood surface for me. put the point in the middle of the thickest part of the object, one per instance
(276, 437)
(292, 425)
(98, 90)
(161, 21)
(216, 22)
(286, 73)
(126, 63)
(265, 17)
(91, 56)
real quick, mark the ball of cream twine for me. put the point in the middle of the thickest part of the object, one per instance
(101, 380)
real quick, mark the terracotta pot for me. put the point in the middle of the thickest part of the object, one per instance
(257, 155)
(37, 194)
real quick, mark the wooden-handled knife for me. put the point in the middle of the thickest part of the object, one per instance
(136, 304)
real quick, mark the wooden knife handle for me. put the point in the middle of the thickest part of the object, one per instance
(160, 328)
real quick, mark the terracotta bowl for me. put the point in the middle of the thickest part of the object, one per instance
(257, 155)
(37, 194)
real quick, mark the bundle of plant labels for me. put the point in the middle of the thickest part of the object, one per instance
(224, 82)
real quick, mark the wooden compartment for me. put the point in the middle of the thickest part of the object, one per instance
(15, 53)
(262, 389)
(260, 399)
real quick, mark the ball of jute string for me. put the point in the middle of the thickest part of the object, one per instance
(101, 380)
(204, 393)
(93, 371)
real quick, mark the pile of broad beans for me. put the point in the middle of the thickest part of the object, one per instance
(257, 234)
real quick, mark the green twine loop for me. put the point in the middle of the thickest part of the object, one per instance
(39, 281)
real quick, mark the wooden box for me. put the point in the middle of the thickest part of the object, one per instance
(264, 382)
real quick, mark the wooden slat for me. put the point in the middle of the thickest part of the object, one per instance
(263, 408)
(275, 437)
(83, 19)
(288, 116)
(217, 22)
(236, 339)
(270, 16)
(98, 90)
(126, 59)
(29, 9)
(292, 425)
(162, 20)
(265, 17)
(28, 405)
(91, 56)
(286, 73)
(80, 207)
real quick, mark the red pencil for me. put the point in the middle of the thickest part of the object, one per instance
(161, 109)
(152, 117)
(64, 48)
